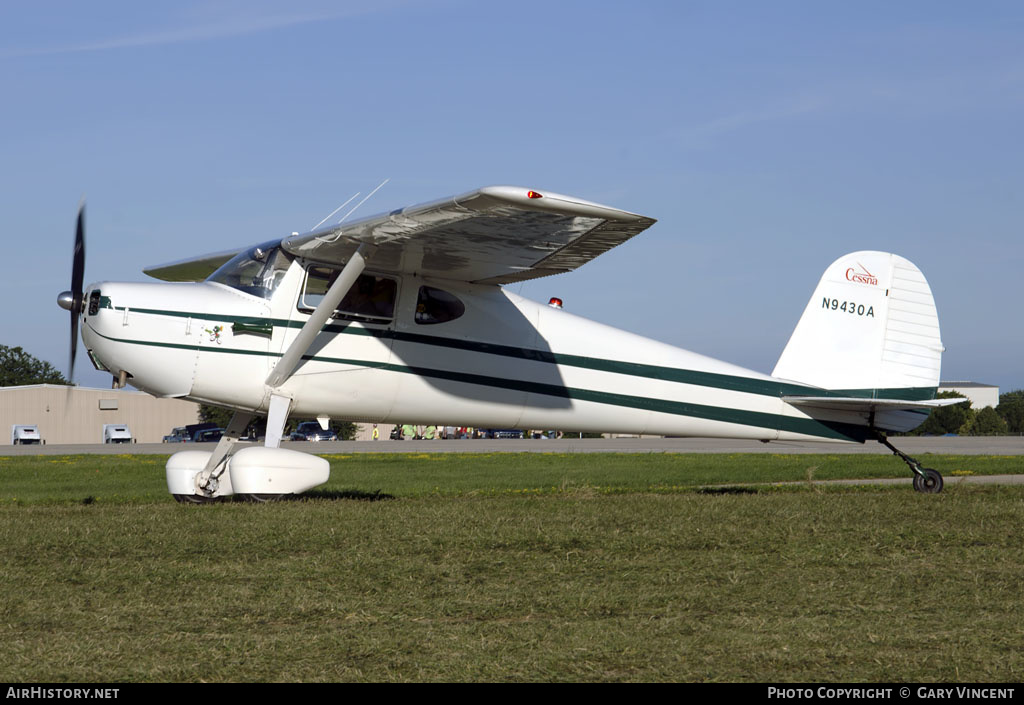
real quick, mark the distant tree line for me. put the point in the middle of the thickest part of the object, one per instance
(963, 420)
(18, 368)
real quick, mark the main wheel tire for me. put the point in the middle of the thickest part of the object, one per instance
(263, 498)
(930, 483)
(194, 499)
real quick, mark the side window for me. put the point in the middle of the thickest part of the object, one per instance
(437, 306)
(370, 299)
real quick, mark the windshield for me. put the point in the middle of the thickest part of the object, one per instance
(255, 271)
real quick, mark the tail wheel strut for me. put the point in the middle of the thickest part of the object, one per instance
(926, 480)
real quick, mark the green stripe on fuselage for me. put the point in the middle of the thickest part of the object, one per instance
(811, 427)
(736, 383)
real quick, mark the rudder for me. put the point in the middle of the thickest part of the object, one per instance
(871, 326)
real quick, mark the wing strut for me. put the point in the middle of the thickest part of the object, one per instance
(225, 447)
(293, 355)
(280, 404)
(277, 417)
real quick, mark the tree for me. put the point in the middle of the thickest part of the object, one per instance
(215, 414)
(18, 368)
(208, 413)
(988, 423)
(956, 418)
(1011, 409)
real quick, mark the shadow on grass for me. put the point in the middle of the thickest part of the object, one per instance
(727, 490)
(316, 495)
(359, 495)
(329, 495)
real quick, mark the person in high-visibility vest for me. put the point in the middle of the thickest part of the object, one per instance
(376, 433)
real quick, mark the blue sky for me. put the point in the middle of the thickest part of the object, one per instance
(767, 138)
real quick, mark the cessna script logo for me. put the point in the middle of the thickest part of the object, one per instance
(861, 277)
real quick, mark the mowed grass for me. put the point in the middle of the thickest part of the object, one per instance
(513, 567)
(127, 478)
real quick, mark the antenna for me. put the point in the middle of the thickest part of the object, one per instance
(362, 201)
(337, 234)
(335, 211)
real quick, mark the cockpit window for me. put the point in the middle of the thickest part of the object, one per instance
(255, 271)
(437, 306)
(371, 298)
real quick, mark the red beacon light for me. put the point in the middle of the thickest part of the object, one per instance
(555, 302)
(533, 194)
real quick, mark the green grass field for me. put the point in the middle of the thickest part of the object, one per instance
(514, 567)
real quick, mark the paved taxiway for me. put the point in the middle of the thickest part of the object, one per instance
(978, 445)
(966, 446)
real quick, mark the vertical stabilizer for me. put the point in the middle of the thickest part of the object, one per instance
(870, 325)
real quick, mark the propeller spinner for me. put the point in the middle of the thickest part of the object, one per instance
(72, 300)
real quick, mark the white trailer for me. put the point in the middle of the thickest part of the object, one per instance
(116, 433)
(22, 434)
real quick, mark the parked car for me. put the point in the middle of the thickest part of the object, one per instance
(311, 431)
(178, 435)
(208, 435)
(500, 433)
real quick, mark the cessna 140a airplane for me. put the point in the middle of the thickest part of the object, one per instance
(402, 317)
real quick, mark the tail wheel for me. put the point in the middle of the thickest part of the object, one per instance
(928, 483)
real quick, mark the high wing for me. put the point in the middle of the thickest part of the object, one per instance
(494, 235)
(193, 269)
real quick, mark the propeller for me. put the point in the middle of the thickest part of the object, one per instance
(72, 300)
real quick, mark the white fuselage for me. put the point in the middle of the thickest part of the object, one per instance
(505, 363)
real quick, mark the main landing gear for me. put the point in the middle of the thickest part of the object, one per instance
(925, 479)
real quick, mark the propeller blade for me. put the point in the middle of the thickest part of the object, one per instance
(77, 275)
(74, 346)
(78, 258)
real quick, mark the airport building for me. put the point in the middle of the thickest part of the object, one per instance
(78, 414)
(981, 395)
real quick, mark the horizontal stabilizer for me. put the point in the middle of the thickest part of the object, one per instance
(868, 405)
